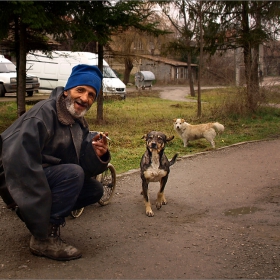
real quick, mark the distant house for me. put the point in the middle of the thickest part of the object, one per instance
(166, 70)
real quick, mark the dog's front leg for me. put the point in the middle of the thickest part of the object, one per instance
(161, 200)
(145, 192)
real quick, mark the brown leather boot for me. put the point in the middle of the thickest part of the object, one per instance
(54, 247)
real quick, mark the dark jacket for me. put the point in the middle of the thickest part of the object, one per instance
(45, 135)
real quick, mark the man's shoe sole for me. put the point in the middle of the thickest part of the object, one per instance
(40, 254)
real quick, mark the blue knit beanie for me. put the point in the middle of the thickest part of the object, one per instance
(85, 75)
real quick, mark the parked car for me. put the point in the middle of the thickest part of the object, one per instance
(8, 78)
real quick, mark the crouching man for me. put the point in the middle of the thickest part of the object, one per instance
(48, 158)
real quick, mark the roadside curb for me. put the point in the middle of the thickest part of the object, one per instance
(133, 171)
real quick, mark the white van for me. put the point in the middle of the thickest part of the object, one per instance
(55, 70)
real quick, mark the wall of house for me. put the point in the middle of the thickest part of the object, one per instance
(165, 73)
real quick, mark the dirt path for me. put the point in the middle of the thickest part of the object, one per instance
(181, 93)
(221, 221)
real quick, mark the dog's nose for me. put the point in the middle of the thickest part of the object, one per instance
(154, 145)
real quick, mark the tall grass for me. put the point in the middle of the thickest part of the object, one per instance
(127, 121)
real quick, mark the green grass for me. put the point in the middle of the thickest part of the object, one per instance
(127, 121)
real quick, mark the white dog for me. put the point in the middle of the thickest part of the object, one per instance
(192, 132)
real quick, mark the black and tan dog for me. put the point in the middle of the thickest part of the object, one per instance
(155, 167)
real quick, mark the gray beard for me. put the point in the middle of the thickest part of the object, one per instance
(71, 109)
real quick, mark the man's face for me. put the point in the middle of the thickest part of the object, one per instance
(79, 99)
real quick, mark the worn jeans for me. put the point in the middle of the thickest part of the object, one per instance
(71, 190)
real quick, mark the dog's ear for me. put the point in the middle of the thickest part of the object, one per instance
(170, 138)
(182, 120)
(144, 136)
(174, 120)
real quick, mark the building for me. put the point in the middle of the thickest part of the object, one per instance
(166, 70)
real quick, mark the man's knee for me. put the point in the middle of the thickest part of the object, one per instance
(76, 171)
(65, 176)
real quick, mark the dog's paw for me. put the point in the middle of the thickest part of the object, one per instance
(161, 200)
(160, 203)
(150, 213)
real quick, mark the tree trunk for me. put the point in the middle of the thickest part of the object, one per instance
(247, 63)
(200, 62)
(255, 62)
(127, 70)
(237, 56)
(190, 75)
(254, 87)
(100, 96)
(251, 54)
(21, 71)
(17, 48)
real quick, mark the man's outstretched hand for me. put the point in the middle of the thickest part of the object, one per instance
(100, 143)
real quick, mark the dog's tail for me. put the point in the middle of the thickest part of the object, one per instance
(172, 161)
(219, 127)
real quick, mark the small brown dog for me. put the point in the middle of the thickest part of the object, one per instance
(190, 132)
(155, 167)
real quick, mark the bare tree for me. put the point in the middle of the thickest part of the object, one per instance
(126, 46)
(178, 14)
(193, 20)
